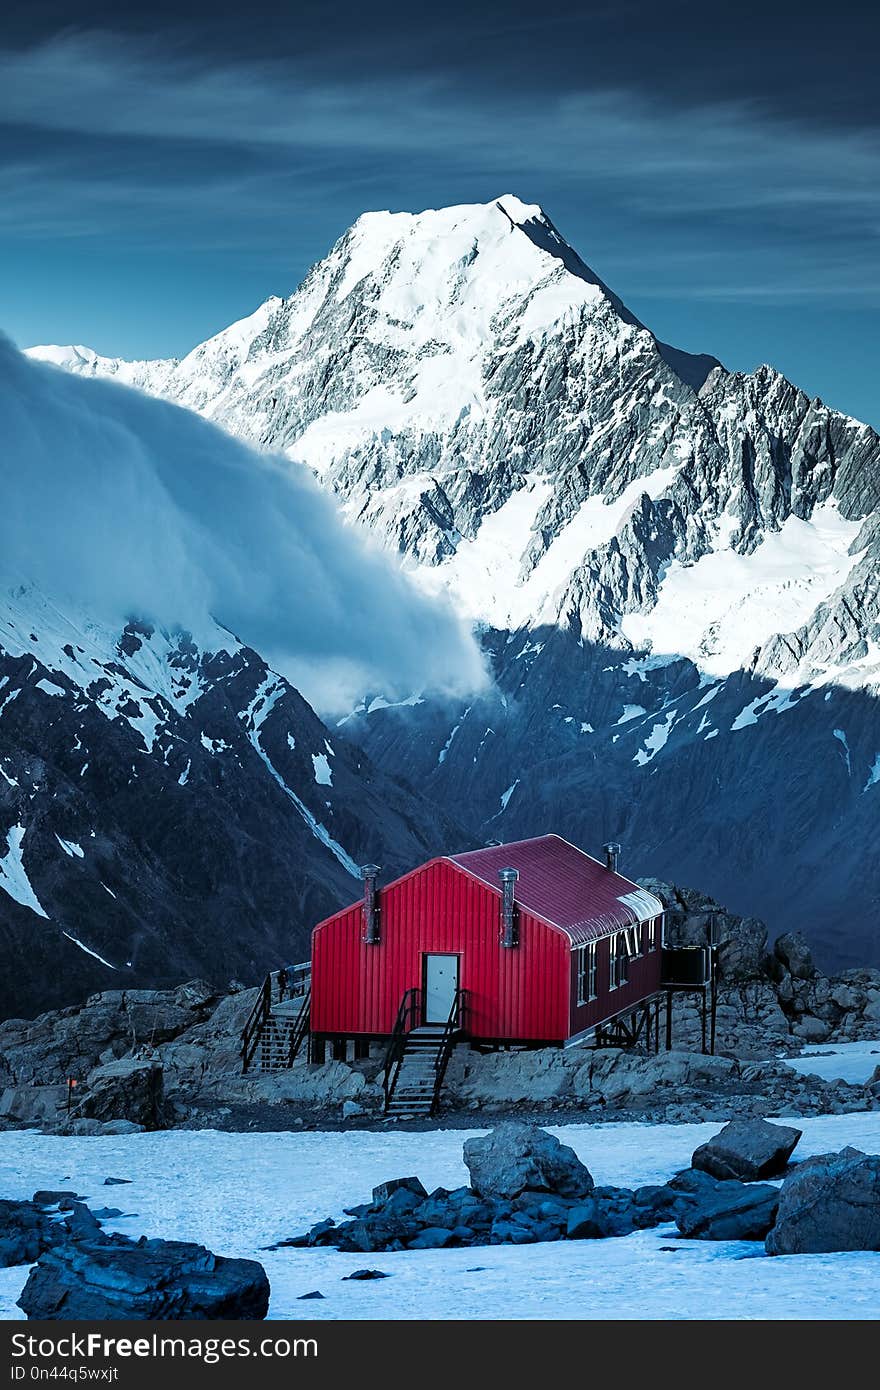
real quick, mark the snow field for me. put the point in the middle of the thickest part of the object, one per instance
(238, 1193)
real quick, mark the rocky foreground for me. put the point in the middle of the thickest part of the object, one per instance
(526, 1186)
(81, 1272)
(153, 1059)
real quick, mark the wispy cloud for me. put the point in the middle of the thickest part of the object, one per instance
(253, 140)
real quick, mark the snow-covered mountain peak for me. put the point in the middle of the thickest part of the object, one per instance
(675, 569)
(480, 400)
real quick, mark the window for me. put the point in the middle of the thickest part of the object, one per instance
(653, 933)
(634, 942)
(586, 972)
(619, 960)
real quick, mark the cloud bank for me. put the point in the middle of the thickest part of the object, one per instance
(127, 506)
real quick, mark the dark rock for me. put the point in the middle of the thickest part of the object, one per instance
(128, 1089)
(831, 1202)
(44, 1198)
(80, 1222)
(434, 1213)
(584, 1222)
(735, 1211)
(793, 953)
(387, 1189)
(510, 1232)
(107, 1213)
(25, 1233)
(691, 1183)
(367, 1274)
(463, 1235)
(320, 1229)
(516, 1157)
(432, 1238)
(114, 1278)
(404, 1200)
(748, 1150)
(316, 1293)
(115, 1182)
(654, 1198)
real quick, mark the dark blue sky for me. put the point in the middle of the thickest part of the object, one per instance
(164, 168)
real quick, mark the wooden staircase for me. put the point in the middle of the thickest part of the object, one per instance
(418, 1055)
(278, 1026)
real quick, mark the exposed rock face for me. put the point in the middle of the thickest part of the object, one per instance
(763, 991)
(748, 1150)
(33, 1104)
(113, 1278)
(72, 1042)
(129, 1089)
(794, 955)
(831, 1202)
(514, 1158)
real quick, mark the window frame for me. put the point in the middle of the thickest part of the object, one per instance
(587, 974)
(618, 960)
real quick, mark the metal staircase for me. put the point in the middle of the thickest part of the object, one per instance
(279, 1021)
(418, 1055)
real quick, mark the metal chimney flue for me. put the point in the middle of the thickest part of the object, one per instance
(370, 873)
(509, 934)
(612, 855)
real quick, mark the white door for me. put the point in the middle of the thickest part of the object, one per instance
(441, 982)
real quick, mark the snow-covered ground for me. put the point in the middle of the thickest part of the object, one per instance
(239, 1192)
(854, 1061)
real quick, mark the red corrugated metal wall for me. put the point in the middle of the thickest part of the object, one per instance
(521, 993)
(644, 979)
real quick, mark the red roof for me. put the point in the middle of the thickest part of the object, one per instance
(564, 886)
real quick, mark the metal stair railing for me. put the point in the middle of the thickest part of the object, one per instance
(300, 1030)
(255, 1026)
(455, 1025)
(407, 1017)
(292, 983)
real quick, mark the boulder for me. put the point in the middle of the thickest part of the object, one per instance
(811, 1029)
(128, 1089)
(732, 1211)
(431, 1238)
(831, 1202)
(747, 1149)
(584, 1222)
(76, 1126)
(385, 1190)
(114, 1278)
(25, 1232)
(793, 953)
(516, 1157)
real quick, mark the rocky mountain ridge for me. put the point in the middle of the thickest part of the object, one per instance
(167, 810)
